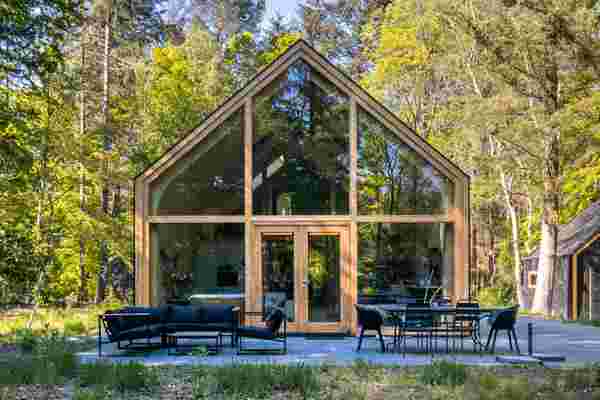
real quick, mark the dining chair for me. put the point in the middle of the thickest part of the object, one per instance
(369, 318)
(467, 323)
(504, 320)
(417, 323)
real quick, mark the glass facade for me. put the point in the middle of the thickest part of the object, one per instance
(301, 149)
(392, 178)
(278, 273)
(324, 278)
(403, 262)
(197, 259)
(207, 181)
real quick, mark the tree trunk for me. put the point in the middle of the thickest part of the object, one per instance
(506, 183)
(542, 302)
(102, 274)
(82, 89)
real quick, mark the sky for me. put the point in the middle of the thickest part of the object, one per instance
(285, 7)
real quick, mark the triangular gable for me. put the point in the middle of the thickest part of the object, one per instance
(302, 50)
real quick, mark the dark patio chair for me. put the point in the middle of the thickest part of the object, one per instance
(504, 320)
(275, 330)
(369, 319)
(467, 323)
(417, 323)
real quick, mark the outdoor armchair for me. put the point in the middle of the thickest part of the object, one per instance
(369, 318)
(504, 320)
(275, 330)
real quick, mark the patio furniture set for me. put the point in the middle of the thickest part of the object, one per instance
(178, 325)
(428, 325)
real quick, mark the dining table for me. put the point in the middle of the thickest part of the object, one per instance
(443, 315)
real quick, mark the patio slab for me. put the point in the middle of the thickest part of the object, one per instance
(579, 343)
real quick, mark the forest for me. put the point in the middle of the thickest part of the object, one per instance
(92, 92)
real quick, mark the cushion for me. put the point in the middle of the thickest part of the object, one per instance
(119, 324)
(256, 332)
(274, 320)
(217, 313)
(197, 327)
(177, 314)
(141, 332)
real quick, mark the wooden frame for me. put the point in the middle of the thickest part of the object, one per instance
(300, 234)
(575, 279)
(243, 101)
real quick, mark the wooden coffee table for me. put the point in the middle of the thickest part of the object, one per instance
(191, 341)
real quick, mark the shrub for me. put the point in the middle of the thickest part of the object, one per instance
(74, 328)
(26, 339)
(443, 373)
(248, 380)
(121, 377)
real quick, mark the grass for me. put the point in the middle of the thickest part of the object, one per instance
(255, 380)
(360, 381)
(588, 322)
(72, 321)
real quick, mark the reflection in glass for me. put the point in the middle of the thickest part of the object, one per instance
(403, 262)
(392, 178)
(197, 259)
(207, 181)
(278, 273)
(324, 278)
(301, 146)
(588, 265)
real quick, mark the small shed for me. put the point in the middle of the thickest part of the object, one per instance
(578, 283)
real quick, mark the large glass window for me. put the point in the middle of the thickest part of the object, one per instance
(207, 181)
(301, 151)
(392, 178)
(196, 260)
(400, 263)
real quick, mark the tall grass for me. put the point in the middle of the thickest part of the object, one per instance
(131, 376)
(70, 320)
(255, 380)
(443, 373)
(49, 360)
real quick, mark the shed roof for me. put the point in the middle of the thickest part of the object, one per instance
(578, 232)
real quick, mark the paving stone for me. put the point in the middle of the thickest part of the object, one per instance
(517, 360)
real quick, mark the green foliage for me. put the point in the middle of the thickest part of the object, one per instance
(255, 380)
(98, 393)
(120, 377)
(495, 296)
(443, 373)
(26, 339)
(74, 327)
(49, 360)
(486, 386)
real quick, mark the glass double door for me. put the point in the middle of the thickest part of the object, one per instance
(304, 270)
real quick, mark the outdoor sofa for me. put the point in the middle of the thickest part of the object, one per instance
(131, 324)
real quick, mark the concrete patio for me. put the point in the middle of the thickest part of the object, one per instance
(578, 343)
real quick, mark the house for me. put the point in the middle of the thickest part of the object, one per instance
(302, 191)
(578, 281)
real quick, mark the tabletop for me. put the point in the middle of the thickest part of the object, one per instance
(401, 308)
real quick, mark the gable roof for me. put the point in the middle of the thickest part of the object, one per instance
(302, 50)
(577, 233)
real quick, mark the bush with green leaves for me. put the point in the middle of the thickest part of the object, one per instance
(26, 339)
(74, 327)
(255, 380)
(443, 373)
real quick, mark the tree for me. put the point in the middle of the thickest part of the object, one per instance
(529, 49)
